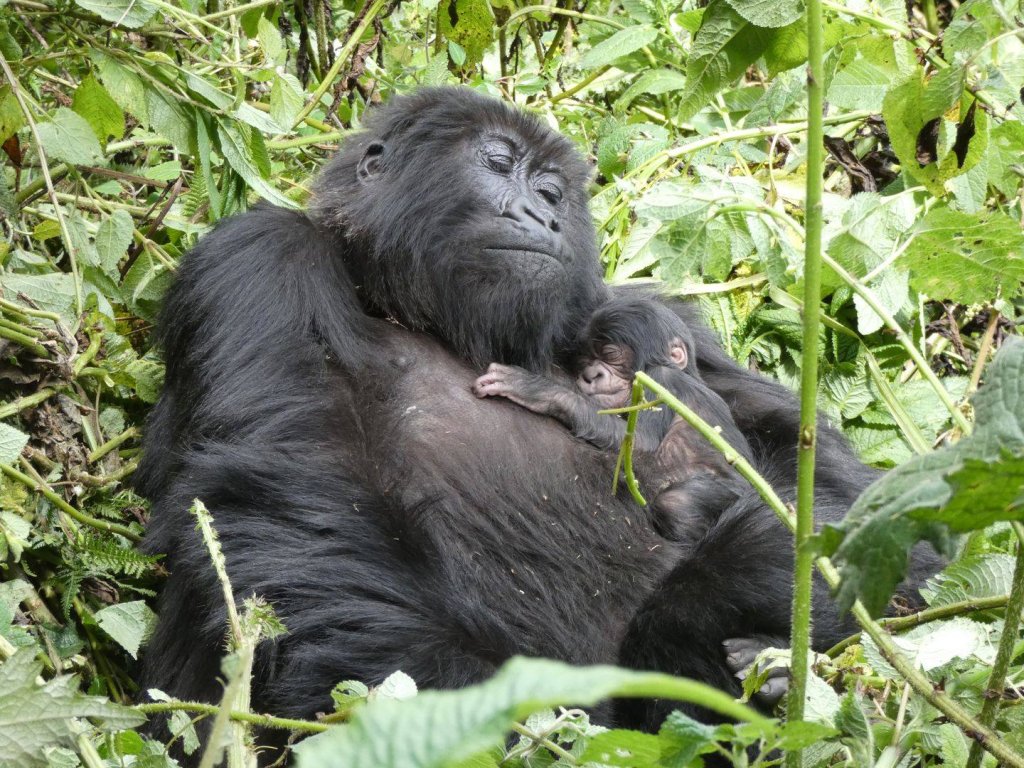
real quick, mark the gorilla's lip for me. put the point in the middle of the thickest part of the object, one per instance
(536, 262)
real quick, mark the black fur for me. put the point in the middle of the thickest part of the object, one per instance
(394, 520)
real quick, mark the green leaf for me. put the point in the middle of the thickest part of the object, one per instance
(113, 237)
(630, 749)
(653, 82)
(236, 151)
(34, 718)
(724, 46)
(966, 258)
(169, 118)
(787, 46)
(285, 99)
(437, 728)
(124, 86)
(11, 117)
(123, 13)
(909, 111)
(270, 41)
(769, 13)
(622, 43)
(130, 624)
(470, 24)
(11, 442)
(961, 487)
(54, 292)
(93, 103)
(70, 138)
(985, 575)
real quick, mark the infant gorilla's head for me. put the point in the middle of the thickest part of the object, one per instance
(625, 336)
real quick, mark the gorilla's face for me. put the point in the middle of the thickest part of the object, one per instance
(468, 219)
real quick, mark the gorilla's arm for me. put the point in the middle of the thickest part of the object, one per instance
(258, 305)
(548, 397)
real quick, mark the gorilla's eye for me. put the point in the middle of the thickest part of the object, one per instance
(499, 162)
(613, 354)
(551, 193)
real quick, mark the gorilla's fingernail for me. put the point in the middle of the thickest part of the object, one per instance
(733, 659)
(774, 687)
(727, 644)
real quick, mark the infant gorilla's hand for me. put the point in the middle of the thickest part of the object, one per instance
(501, 381)
(533, 392)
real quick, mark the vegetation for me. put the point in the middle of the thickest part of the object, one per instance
(128, 127)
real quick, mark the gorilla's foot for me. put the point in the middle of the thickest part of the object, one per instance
(740, 655)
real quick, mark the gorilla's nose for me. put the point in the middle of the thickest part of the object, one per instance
(526, 214)
(594, 374)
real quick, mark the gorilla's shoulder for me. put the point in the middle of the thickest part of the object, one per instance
(265, 233)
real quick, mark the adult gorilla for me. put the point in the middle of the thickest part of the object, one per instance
(318, 401)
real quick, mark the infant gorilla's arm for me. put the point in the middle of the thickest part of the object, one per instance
(548, 397)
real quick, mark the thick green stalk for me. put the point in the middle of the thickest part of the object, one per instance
(997, 680)
(800, 639)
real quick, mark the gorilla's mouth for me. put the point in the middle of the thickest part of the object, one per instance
(527, 262)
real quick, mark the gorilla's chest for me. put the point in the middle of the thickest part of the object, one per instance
(523, 506)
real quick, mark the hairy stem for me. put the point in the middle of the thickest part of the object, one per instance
(803, 562)
(993, 695)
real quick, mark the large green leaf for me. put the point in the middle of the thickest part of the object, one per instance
(966, 258)
(724, 46)
(622, 43)
(438, 728)
(35, 717)
(769, 13)
(962, 487)
(99, 109)
(70, 138)
(123, 13)
(237, 152)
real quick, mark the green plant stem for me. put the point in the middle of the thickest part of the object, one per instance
(301, 141)
(732, 456)
(547, 743)
(989, 740)
(803, 562)
(900, 623)
(238, 10)
(339, 62)
(29, 311)
(16, 406)
(263, 721)
(993, 695)
(111, 444)
(28, 342)
(579, 86)
(931, 16)
(552, 11)
(625, 458)
(49, 494)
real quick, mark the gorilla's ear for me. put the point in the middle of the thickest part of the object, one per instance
(370, 166)
(678, 353)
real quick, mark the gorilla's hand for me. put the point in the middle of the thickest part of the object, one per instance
(531, 391)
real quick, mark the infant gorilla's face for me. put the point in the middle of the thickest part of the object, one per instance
(607, 376)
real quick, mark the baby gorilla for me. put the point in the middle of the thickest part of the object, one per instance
(692, 482)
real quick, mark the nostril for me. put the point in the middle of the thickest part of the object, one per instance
(554, 226)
